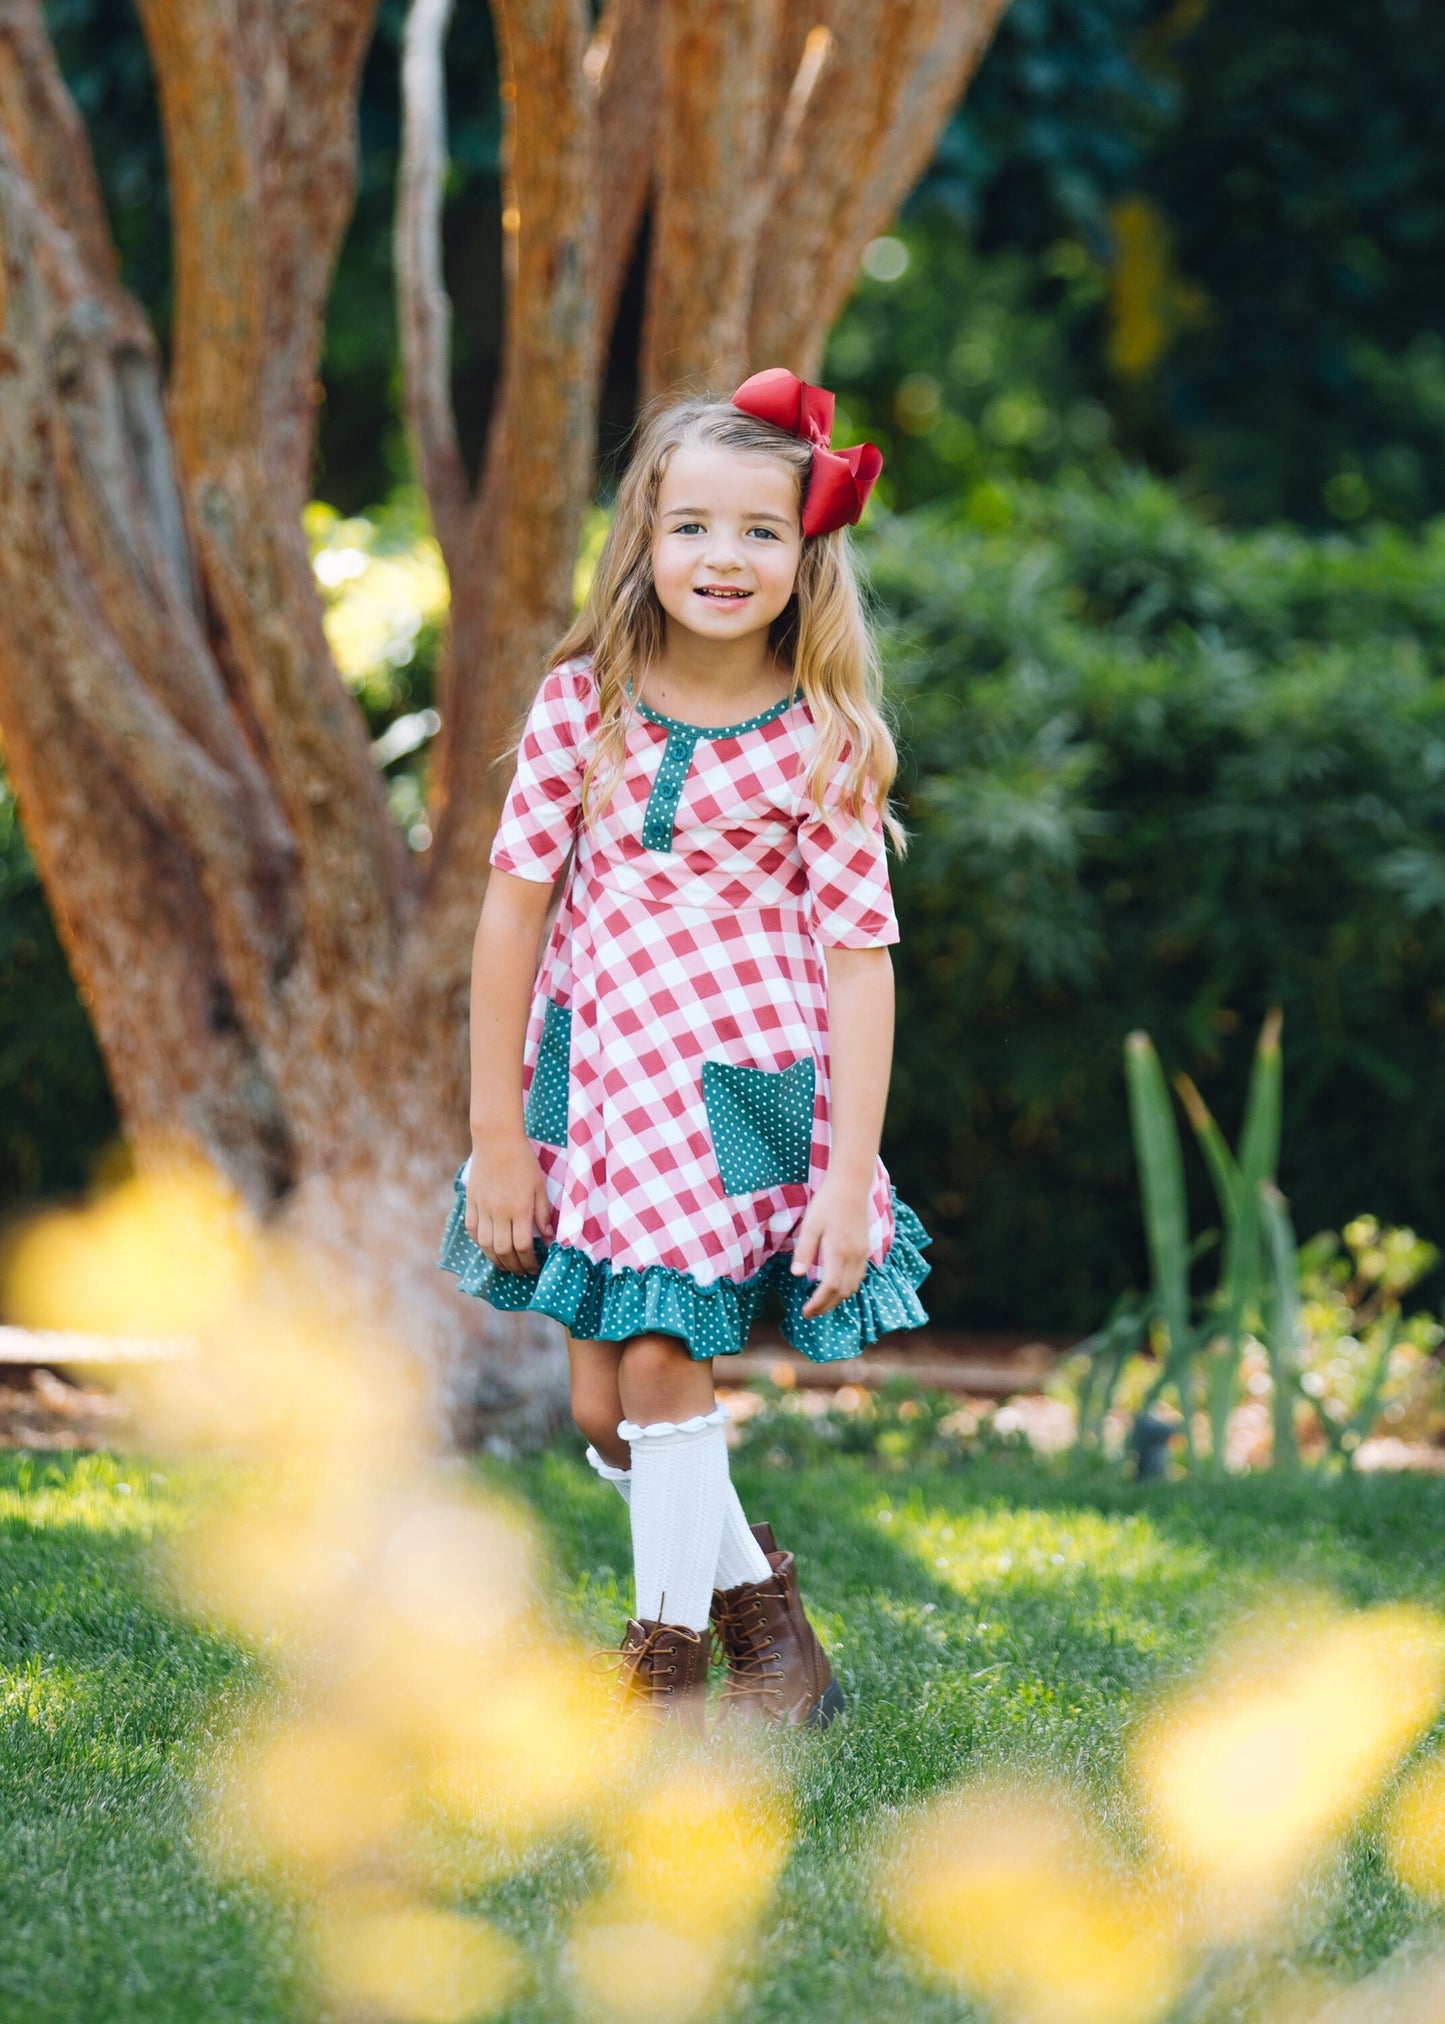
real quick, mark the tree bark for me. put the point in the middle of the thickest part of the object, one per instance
(276, 982)
(709, 190)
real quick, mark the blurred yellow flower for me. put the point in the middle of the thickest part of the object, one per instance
(1415, 1830)
(1247, 1776)
(696, 1857)
(1002, 1888)
(157, 1256)
(417, 1964)
(314, 1795)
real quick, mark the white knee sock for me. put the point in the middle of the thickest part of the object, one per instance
(621, 1477)
(740, 1558)
(739, 1555)
(679, 1496)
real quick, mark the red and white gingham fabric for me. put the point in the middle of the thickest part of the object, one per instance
(713, 950)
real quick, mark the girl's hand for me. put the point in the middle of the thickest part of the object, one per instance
(834, 1230)
(506, 1197)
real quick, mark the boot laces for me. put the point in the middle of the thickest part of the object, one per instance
(749, 1645)
(635, 1668)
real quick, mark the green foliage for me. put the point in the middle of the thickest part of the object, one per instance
(1199, 1354)
(1158, 776)
(55, 1106)
(1365, 1364)
(1059, 119)
(1304, 186)
(959, 372)
(896, 1425)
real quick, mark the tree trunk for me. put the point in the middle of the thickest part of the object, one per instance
(277, 984)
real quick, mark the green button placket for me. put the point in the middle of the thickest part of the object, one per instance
(660, 818)
(661, 815)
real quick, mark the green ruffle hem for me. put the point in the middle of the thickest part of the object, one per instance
(599, 1302)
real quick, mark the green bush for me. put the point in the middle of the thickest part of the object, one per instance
(1158, 776)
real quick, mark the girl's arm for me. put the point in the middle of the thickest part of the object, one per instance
(834, 1229)
(506, 1194)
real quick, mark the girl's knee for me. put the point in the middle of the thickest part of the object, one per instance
(597, 1420)
(662, 1380)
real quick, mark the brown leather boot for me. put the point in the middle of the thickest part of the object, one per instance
(662, 1676)
(777, 1670)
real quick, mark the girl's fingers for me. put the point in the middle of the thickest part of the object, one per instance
(542, 1214)
(522, 1250)
(805, 1244)
(506, 1241)
(837, 1284)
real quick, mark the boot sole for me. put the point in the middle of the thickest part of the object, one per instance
(828, 1709)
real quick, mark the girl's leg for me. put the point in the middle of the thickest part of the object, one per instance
(687, 1525)
(597, 1406)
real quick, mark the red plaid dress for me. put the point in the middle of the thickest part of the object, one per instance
(676, 1067)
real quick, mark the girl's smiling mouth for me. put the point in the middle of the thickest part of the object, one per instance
(721, 593)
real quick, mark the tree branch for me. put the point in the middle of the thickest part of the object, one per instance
(425, 310)
(717, 58)
(797, 20)
(893, 74)
(514, 594)
(258, 105)
(303, 76)
(67, 471)
(47, 136)
(622, 67)
(138, 936)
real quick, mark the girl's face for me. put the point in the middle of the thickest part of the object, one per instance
(727, 541)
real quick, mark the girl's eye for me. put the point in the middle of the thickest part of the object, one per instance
(689, 527)
(771, 532)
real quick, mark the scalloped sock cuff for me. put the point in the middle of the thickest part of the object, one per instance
(679, 1497)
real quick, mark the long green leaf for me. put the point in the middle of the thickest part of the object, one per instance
(1161, 1180)
(1282, 1322)
(1119, 1339)
(1222, 1165)
(1241, 1276)
(1368, 1410)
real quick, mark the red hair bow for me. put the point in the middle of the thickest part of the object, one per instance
(840, 481)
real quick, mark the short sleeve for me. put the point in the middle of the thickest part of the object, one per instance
(540, 815)
(847, 866)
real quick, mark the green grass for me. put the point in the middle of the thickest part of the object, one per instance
(998, 1614)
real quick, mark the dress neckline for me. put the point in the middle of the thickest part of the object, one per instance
(714, 730)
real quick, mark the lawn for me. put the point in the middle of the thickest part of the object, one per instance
(990, 1614)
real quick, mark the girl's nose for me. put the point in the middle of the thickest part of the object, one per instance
(722, 554)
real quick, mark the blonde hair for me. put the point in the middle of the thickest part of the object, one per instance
(822, 635)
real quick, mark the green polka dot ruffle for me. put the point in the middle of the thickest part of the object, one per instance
(603, 1303)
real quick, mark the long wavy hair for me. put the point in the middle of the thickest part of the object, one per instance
(822, 635)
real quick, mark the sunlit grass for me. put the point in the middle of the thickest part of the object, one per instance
(1062, 1607)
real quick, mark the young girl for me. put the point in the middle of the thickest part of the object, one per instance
(683, 1109)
